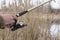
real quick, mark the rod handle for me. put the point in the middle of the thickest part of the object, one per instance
(21, 13)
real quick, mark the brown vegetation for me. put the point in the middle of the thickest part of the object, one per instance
(38, 28)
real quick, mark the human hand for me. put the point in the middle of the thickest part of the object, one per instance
(9, 19)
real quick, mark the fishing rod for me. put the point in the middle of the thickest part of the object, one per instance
(24, 12)
(21, 24)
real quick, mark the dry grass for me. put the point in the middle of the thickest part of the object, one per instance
(38, 20)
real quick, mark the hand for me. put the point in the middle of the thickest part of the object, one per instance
(9, 19)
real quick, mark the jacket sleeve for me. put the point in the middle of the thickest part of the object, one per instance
(1, 22)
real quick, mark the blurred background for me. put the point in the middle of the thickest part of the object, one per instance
(41, 22)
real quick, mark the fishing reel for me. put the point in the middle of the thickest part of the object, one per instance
(18, 25)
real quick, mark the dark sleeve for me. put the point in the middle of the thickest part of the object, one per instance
(1, 23)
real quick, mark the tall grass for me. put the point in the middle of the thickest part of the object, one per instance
(38, 24)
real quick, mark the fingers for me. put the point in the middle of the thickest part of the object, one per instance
(10, 23)
(9, 20)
